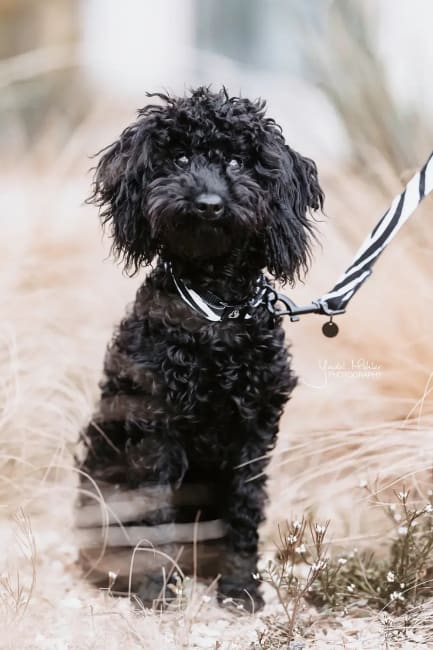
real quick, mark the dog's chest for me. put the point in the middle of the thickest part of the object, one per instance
(217, 370)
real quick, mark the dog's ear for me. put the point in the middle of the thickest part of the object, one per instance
(119, 189)
(295, 192)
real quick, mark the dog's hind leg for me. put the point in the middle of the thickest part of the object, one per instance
(128, 475)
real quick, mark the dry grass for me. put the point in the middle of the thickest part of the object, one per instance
(60, 300)
(342, 428)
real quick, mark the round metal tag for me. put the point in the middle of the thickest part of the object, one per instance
(330, 329)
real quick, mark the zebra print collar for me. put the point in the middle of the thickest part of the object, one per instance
(213, 308)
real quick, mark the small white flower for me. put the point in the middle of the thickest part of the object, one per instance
(342, 560)
(397, 595)
(397, 517)
(301, 549)
(256, 576)
(319, 565)
(391, 576)
(403, 495)
(363, 483)
(292, 539)
(319, 529)
(428, 509)
(351, 588)
(402, 530)
(402, 585)
(206, 598)
(296, 524)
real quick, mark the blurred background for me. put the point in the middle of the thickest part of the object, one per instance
(350, 83)
(333, 71)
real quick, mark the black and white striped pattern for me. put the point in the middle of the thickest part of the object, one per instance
(335, 301)
(197, 303)
(213, 308)
(401, 209)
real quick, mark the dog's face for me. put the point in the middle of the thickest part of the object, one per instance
(195, 177)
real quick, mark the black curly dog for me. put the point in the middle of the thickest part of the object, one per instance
(204, 187)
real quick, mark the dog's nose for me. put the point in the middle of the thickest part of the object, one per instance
(209, 205)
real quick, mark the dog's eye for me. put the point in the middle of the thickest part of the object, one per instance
(183, 161)
(234, 165)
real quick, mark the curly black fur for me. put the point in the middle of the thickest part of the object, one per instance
(185, 400)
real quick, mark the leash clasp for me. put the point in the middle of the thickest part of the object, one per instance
(274, 297)
(292, 309)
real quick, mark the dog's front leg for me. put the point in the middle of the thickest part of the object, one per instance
(245, 500)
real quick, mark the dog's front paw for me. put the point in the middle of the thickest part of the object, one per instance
(246, 596)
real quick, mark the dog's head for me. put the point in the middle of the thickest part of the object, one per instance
(196, 176)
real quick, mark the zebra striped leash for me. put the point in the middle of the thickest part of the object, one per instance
(335, 301)
(402, 207)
